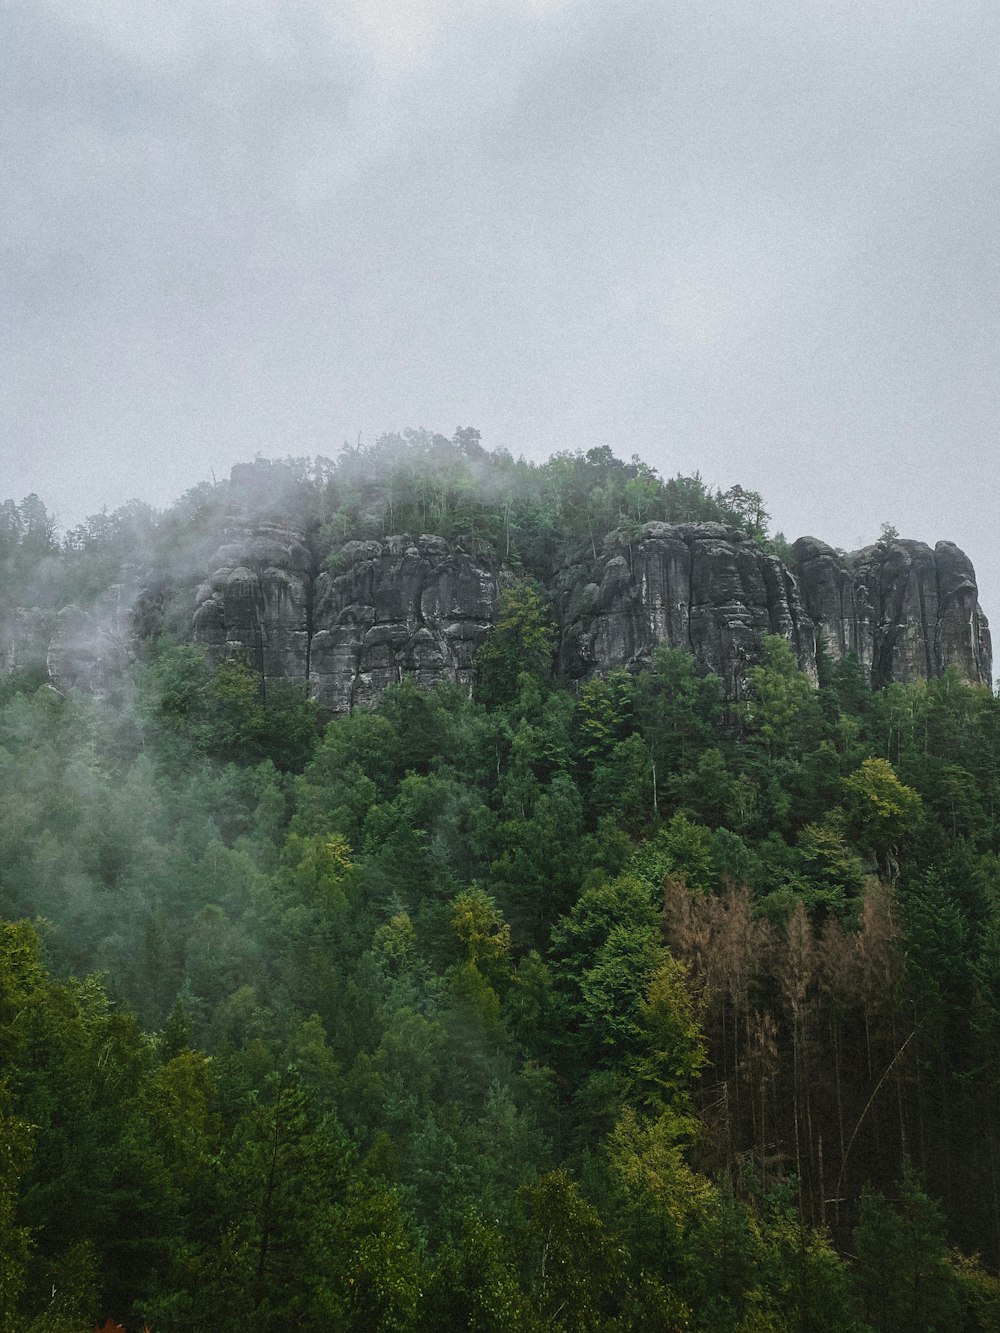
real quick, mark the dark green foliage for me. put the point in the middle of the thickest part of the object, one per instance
(475, 1285)
(905, 1276)
(15, 1238)
(227, 712)
(568, 1262)
(546, 1009)
(522, 641)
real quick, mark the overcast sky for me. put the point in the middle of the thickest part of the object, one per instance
(754, 237)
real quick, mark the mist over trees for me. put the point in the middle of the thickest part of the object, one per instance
(529, 513)
(606, 1008)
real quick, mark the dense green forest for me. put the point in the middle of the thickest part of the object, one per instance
(620, 1007)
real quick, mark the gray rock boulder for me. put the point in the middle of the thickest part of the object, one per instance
(25, 635)
(402, 606)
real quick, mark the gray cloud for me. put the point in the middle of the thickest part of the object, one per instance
(755, 240)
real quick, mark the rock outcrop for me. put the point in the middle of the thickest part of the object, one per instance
(420, 606)
(257, 601)
(403, 606)
(700, 586)
(906, 611)
(352, 622)
(86, 652)
(25, 635)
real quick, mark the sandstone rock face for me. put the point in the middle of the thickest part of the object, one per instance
(258, 601)
(351, 623)
(420, 606)
(699, 586)
(908, 612)
(403, 606)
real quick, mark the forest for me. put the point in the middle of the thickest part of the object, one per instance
(613, 1005)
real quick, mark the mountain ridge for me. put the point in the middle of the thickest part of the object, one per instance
(421, 605)
(308, 581)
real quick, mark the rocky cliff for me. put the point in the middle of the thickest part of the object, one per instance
(77, 648)
(353, 620)
(908, 612)
(699, 586)
(421, 606)
(403, 606)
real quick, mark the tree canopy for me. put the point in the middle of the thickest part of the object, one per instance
(536, 1008)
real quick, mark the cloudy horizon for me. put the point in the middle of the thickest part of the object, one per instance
(754, 241)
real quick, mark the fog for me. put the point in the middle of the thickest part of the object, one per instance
(755, 240)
